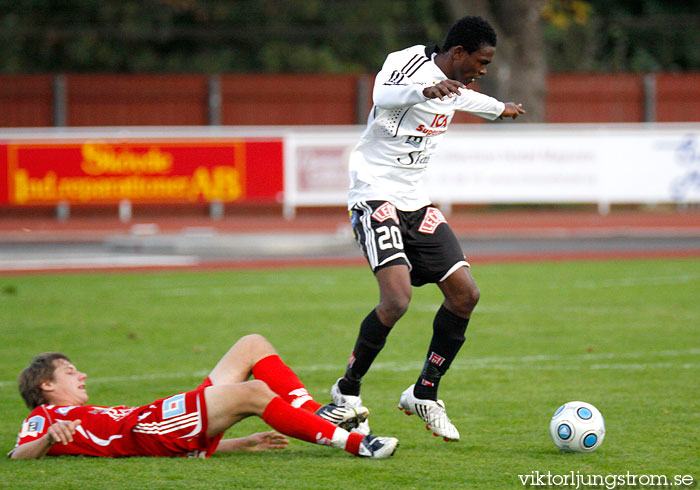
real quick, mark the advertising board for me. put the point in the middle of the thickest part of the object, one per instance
(149, 170)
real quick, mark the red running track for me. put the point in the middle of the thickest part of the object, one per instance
(555, 223)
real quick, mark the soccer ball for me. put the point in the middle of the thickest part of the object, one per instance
(577, 427)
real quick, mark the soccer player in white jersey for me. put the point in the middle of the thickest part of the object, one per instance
(405, 239)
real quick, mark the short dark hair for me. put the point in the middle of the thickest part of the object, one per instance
(41, 369)
(471, 32)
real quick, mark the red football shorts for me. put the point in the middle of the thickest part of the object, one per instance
(176, 426)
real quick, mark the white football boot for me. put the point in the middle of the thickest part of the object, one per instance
(378, 447)
(344, 417)
(432, 412)
(350, 401)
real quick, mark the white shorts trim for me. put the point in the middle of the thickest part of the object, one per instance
(394, 257)
(461, 263)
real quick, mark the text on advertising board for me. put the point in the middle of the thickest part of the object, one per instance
(92, 172)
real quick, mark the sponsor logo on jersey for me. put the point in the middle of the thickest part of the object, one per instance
(429, 132)
(437, 126)
(384, 212)
(436, 359)
(415, 158)
(432, 219)
(440, 121)
(32, 427)
(115, 413)
(414, 141)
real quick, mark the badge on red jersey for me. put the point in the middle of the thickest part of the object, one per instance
(32, 427)
(174, 406)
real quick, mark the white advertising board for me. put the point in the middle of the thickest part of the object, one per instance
(316, 166)
(568, 164)
(508, 164)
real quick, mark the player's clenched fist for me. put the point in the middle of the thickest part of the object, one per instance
(62, 431)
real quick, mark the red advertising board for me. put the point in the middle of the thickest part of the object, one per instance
(140, 170)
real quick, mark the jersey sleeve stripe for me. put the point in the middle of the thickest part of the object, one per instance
(412, 60)
(413, 65)
(425, 60)
(395, 79)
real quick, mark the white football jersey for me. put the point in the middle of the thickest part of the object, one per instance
(404, 128)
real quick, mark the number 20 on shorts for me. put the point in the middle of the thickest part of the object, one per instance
(389, 237)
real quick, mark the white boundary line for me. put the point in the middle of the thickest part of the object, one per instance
(7, 265)
(525, 363)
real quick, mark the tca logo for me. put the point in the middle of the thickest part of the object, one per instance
(440, 121)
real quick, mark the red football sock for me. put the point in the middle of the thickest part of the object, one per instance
(301, 424)
(353, 444)
(297, 423)
(283, 381)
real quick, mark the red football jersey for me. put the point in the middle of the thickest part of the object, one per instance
(103, 431)
(174, 426)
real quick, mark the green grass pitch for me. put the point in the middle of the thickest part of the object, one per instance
(623, 335)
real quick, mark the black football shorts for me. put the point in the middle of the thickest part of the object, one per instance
(420, 239)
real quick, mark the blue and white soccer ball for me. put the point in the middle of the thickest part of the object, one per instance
(577, 427)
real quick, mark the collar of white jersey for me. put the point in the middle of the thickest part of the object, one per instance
(430, 53)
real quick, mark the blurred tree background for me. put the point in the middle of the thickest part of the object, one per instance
(210, 36)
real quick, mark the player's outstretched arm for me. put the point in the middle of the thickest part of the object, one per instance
(512, 110)
(260, 441)
(61, 431)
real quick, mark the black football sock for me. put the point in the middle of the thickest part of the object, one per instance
(370, 341)
(448, 337)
